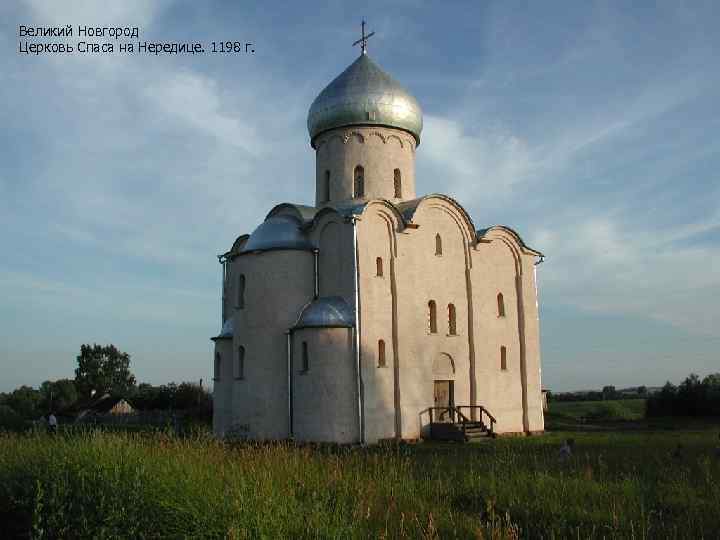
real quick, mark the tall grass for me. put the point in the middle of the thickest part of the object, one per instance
(105, 485)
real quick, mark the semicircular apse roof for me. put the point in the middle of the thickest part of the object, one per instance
(277, 232)
(326, 312)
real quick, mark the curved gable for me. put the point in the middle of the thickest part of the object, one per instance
(502, 231)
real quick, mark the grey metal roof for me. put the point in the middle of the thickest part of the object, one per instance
(228, 329)
(326, 312)
(304, 212)
(364, 94)
(277, 232)
(407, 208)
(349, 207)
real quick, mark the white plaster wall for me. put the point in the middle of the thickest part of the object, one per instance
(378, 150)
(499, 391)
(334, 238)
(222, 388)
(393, 308)
(278, 284)
(532, 340)
(420, 276)
(325, 397)
(375, 237)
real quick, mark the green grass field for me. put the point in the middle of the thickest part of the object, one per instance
(151, 485)
(624, 409)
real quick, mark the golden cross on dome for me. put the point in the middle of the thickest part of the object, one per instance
(364, 39)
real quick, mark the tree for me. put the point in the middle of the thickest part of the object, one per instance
(608, 392)
(25, 402)
(58, 395)
(712, 381)
(189, 396)
(9, 419)
(103, 369)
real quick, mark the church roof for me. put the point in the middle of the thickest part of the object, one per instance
(302, 211)
(326, 312)
(286, 225)
(482, 232)
(228, 329)
(364, 95)
(277, 232)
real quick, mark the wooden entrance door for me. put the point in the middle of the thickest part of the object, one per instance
(443, 394)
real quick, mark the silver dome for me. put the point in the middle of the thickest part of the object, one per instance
(326, 312)
(364, 94)
(277, 232)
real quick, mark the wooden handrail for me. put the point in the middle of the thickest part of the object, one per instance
(457, 416)
(481, 408)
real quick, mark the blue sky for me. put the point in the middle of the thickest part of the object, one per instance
(591, 128)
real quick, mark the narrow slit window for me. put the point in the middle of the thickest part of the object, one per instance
(359, 183)
(438, 245)
(397, 181)
(381, 353)
(379, 267)
(326, 187)
(241, 292)
(501, 305)
(305, 358)
(503, 358)
(452, 322)
(240, 363)
(432, 315)
(218, 361)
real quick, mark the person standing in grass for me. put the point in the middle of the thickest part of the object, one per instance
(566, 450)
(52, 423)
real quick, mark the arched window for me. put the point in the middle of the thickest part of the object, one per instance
(379, 267)
(359, 183)
(438, 245)
(452, 324)
(381, 353)
(241, 292)
(503, 358)
(240, 363)
(326, 187)
(216, 376)
(501, 305)
(398, 184)
(432, 315)
(305, 358)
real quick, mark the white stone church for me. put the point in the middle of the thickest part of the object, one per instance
(375, 314)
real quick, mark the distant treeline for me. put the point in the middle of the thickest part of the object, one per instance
(171, 397)
(101, 370)
(694, 397)
(607, 393)
(61, 397)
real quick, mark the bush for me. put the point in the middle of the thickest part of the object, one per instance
(608, 412)
(10, 420)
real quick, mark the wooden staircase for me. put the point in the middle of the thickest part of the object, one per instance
(452, 424)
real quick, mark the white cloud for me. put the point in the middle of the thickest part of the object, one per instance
(194, 99)
(472, 166)
(612, 267)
